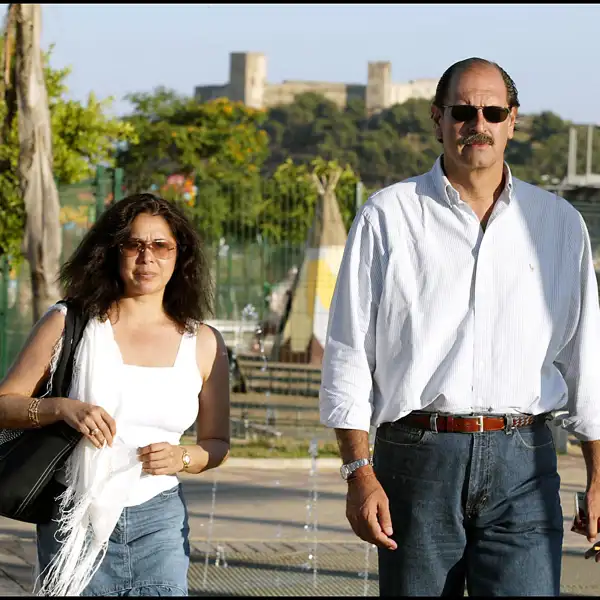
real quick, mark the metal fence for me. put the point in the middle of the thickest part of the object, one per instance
(254, 237)
(79, 205)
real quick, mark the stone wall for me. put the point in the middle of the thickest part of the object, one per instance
(420, 88)
(284, 93)
(204, 93)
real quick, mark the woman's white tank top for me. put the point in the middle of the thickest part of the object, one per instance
(158, 405)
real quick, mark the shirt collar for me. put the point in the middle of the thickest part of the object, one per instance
(449, 193)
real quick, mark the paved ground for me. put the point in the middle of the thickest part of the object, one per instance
(266, 534)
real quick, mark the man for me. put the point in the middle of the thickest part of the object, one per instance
(465, 312)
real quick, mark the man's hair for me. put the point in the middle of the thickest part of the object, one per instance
(91, 278)
(443, 86)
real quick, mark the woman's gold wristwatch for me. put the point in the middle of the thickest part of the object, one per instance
(186, 458)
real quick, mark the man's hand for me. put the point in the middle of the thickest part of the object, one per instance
(367, 510)
(161, 459)
(591, 455)
(592, 500)
(589, 526)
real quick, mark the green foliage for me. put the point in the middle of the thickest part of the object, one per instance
(222, 146)
(291, 198)
(395, 144)
(276, 210)
(545, 125)
(214, 141)
(82, 137)
(399, 142)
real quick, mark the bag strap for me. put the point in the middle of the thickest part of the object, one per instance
(75, 323)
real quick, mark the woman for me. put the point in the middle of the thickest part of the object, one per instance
(145, 370)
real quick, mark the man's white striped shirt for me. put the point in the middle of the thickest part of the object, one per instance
(432, 313)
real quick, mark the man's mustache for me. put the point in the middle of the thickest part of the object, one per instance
(476, 138)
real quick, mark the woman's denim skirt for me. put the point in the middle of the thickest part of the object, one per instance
(148, 551)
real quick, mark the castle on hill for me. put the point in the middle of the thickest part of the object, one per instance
(248, 84)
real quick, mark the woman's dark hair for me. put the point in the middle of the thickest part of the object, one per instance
(91, 278)
(443, 86)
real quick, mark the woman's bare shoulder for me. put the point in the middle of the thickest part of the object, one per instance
(51, 325)
(209, 347)
(209, 338)
(33, 361)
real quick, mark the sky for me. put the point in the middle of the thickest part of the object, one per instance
(551, 51)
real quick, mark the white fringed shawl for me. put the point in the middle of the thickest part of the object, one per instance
(98, 480)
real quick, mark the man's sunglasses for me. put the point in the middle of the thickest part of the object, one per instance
(463, 113)
(159, 248)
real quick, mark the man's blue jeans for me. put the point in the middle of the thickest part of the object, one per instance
(481, 509)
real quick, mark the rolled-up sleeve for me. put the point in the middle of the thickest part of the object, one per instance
(346, 393)
(579, 360)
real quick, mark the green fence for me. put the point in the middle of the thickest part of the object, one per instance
(254, 237)
(79, 206)
(259, 238)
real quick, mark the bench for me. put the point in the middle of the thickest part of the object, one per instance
(269, 415)
(255, 374)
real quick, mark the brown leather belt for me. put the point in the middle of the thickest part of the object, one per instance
(469, 423)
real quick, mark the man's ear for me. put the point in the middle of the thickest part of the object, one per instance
(512, 121)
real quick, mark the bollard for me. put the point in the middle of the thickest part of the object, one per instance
(271, 419)
(245, 423)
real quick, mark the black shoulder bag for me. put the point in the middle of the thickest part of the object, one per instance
(30, 458)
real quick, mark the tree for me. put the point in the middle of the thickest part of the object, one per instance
(410, 117)
(218, 140)
(545, 125)
(27, 98)
(83, 136)
(219, 145)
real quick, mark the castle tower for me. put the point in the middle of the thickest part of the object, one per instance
(379, 87)
(247, 78)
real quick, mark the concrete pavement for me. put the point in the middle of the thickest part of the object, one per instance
(255, 523)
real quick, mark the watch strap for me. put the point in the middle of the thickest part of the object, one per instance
(349, 468)
(186, 459)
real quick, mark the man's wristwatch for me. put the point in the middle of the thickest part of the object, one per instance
(186, 459)
(349, 468)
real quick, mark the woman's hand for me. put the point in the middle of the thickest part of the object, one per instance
(93, 421)
(161, 459)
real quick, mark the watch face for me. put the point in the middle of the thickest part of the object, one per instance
(344, 472)
(186, 460)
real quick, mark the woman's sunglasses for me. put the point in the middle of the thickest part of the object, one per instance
(160, 249)
(463, 113)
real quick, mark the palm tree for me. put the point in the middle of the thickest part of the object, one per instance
(26, 98)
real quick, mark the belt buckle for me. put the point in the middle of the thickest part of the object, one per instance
(480, 423)
(479, 419)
